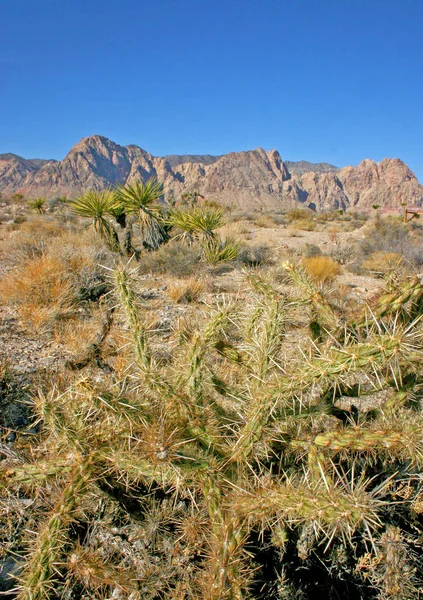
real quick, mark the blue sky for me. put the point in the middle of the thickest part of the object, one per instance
(320, 80)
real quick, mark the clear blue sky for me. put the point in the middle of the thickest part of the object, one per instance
(321, 80)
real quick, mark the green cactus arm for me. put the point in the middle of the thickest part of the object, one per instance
(42, 566)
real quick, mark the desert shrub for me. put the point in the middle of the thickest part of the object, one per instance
(328, 216)
(355, 268)
(187, 291)
(240, 215)
(265, 221)
(381, 262)
(311, 250)
(307, 224)
(321, 268)
(358, 216)
(386, 235)
(173, 258)
(391, 235)
(343, 254)
(254, 256)
(212, 204)
(298, 214)
(279, 218)
(57, 203)
(31, 239)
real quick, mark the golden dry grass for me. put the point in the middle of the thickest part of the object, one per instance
(382, 262)
(306, 224)
(321, 268)
(76, 334)
(265, 221)
(189, 290)
(41, 281)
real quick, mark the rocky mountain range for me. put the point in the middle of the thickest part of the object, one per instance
(255, 179)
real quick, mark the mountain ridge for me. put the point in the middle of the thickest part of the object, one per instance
(252, 179)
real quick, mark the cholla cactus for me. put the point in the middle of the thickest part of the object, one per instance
(185, 478)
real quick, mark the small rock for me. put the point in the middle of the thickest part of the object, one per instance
(11, 437)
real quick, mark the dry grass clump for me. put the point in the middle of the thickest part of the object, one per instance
(40, 287)
(30, 239)
(306, 224)
(237, 228)
(265, 221)
(381, 263)
(75, 334)
(298, 214)
(52, 268)
(321, 268)
(186, 291)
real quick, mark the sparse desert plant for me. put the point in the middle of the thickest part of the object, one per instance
(298, 214)
(306, 224)
(31, 239)
(173, 258)
(321, 268)
(311, 250)
(38, 205)
(191, 198)
(265, 221)
(254, 256)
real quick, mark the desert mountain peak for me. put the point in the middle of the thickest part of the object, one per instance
(249, 179)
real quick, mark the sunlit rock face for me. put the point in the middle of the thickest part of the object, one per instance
(256, 179)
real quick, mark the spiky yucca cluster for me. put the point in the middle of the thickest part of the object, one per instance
(233, 471)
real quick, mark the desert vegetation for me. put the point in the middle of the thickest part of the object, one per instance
(209, 416)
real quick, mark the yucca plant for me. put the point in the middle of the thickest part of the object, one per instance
(196, 223)
(181, 219)
(141, 199)
(217, 250)
(38, 205)
(98, 207)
